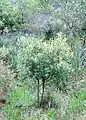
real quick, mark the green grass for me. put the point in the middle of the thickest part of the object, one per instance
(17, 100)
(78, 102)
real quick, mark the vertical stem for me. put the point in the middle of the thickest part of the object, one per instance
(38, 92)
(22, 19)
(84, 42)
(43, 86)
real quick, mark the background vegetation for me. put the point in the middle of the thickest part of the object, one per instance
(42, 60)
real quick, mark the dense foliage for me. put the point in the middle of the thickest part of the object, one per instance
(51, 62)
(9, 17)
(43, 60)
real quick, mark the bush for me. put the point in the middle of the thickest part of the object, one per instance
(46, 62)
(9, 55)
(9, 17)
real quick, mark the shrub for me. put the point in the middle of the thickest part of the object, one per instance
(46, 62)
(9, 17)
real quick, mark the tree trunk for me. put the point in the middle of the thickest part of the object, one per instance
(38, 92)
(84, 42)
(43, 87)
(22, 18)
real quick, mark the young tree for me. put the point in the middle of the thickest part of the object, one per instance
(44, 62)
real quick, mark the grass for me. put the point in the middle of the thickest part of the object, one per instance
(78, 102)
(17, 101)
